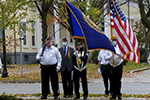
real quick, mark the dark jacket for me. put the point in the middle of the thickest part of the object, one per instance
(66, 61)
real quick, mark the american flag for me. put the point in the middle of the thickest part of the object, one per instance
(126, 38)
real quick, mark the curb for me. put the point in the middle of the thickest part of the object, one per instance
(28, 81)
(20, 81)
(137, 70)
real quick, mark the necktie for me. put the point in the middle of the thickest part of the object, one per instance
(79, 62)
(65, 50)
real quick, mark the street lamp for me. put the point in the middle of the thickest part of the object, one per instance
(4, 73)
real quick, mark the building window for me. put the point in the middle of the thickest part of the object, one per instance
(26, 57)
(33, 35)
(33, 7)
(53, 34)
(33, 40)
(24, 33)
(132, 23)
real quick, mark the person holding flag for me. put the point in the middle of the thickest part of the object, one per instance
(80, 60)
(126, 38)
(50, 61)
(125, 43)
(116, 66)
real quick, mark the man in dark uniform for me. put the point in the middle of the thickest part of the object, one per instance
(80, 60)
(67, 67)
(50, 60)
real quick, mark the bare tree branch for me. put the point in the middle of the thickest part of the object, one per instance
(38, 8)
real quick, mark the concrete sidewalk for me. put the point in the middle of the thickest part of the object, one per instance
(95, 88)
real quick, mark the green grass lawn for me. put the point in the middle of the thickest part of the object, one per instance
(132, 66)
(13, 67)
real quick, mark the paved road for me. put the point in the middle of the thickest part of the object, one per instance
(127, 88)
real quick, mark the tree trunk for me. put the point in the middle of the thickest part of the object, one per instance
(143, 14)
(145, 57)
(44, 24)
(44, 29)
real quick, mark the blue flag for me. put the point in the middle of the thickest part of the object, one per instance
(84, 28)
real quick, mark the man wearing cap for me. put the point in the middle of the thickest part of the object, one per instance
(116, 63)
(80, 60)
(67, 67)
(50, 60)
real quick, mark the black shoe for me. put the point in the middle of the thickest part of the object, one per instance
(65, 96)
(119, 97)
(113, 98)
(85, 97)
(56, 97)
(44, 97)
(69, 96)
(77, 97)
(111, 92)
(106, 92)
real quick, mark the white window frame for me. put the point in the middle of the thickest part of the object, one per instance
(25, 34)
(53, 33)
(33, 8)
(33, 35)
(131, 22)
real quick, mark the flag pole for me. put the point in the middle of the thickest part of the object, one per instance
(110, 19)
(67, 24)
(128, 11)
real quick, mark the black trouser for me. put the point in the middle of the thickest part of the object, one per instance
(46, 73)
(116, 79)
(77, 75)
(106, 74)
(67, 82)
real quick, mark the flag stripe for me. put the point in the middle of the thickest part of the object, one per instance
(133, 56)
(126, 38)
(121, 32)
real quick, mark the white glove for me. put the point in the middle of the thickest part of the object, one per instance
(58, 68)
(99, 71)
(76, 54)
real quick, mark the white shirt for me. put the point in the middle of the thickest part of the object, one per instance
(114, 59)
(101, 55)
(50, 56)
